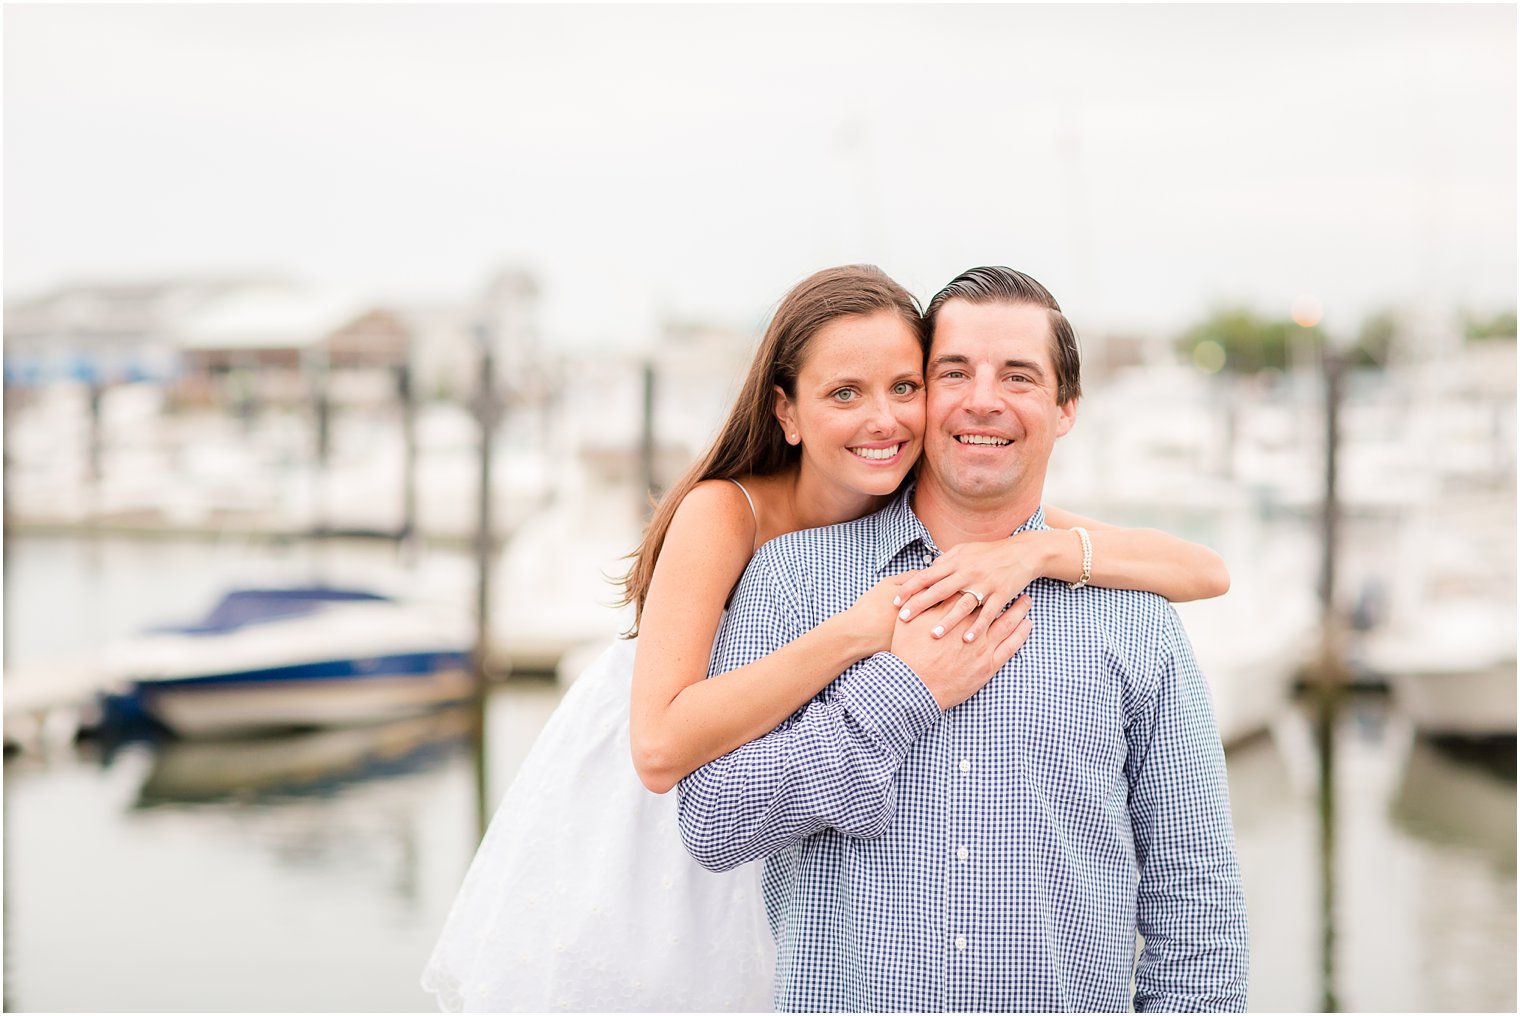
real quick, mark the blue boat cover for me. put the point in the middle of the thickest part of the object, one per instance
(243, 607)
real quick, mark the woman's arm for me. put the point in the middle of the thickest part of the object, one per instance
(678, 720)
(1145, 559)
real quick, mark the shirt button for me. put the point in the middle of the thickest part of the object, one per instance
(963, 853)
(965, 765)
(960, 941)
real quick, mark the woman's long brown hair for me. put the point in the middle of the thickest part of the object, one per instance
(751, 441)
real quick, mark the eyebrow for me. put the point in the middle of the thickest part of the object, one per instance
(958, 360)
(855, 379)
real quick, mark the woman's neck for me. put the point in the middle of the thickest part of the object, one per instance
(815, 501)
(799, 499)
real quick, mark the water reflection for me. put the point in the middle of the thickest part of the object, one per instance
(1459, 806)
(1460, 796)
(319, 762)
(305, 872)
(1401, 895)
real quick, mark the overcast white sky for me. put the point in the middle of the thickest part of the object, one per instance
(1145, 162)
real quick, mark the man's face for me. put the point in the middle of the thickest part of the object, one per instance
(993, 417)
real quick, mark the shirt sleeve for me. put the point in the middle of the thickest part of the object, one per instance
(831, 765)
(1191, 907)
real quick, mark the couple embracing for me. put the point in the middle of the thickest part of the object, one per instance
(961, 735)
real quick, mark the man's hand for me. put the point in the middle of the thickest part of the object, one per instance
(951, 668)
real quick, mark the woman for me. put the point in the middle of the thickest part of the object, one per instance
(581, 896)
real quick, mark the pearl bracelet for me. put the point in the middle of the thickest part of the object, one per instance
(1086, 557)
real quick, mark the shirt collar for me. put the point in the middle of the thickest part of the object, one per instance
(898, 527)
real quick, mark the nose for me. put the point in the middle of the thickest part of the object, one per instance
(881, 419)
(982, 398)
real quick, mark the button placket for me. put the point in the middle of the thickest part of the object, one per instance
(963, 886)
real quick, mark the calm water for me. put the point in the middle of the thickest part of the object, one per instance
(312, 872)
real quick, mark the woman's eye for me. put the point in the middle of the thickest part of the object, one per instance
(905, 388)
(846, 395)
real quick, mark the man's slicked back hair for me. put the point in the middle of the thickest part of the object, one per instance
(996, 284)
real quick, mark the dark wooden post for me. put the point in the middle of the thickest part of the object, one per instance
(486, 411)
(315, 361)
(96, 456)
(649, 488)
(1329, 682)
(407, 535)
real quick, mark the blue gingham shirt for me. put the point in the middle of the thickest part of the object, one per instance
(1001, 855)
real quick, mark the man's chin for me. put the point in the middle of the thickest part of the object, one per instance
(994, 489)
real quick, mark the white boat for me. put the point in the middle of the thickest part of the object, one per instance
(1249, 656)
(557, 581)
(292, 658)
(1452, 666)
(1447, 643)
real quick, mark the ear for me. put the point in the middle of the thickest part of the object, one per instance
(1067, 417)
(787, 414)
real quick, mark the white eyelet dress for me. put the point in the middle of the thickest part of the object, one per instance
(581, 896)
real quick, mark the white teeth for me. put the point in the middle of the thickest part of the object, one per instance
(877, 453)
(983, 439)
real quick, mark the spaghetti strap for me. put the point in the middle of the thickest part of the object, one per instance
(753, 513)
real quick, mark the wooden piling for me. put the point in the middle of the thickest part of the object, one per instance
(648, 483)
(406, 536)
(486, 412)
(1328, 678)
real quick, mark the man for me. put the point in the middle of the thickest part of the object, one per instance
(936, 840)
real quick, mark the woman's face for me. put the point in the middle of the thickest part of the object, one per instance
(859, 406)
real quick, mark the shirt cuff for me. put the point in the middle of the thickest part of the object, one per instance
(887, 698)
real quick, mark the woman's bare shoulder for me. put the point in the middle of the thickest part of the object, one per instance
(714, 509)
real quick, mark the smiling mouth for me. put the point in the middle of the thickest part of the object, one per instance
(983, 439)
(877, 454)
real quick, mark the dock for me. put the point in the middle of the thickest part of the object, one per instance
(44, 700)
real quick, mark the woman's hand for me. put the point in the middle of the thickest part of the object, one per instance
(999, 571)
(954, 669)
(874, 615)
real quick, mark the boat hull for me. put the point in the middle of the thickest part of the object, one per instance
(1479, 703)
(334, 693)
(1452, 667)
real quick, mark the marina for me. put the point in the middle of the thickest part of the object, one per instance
(332, 855)
(298, 594)
(348, 350)
(325, 832)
